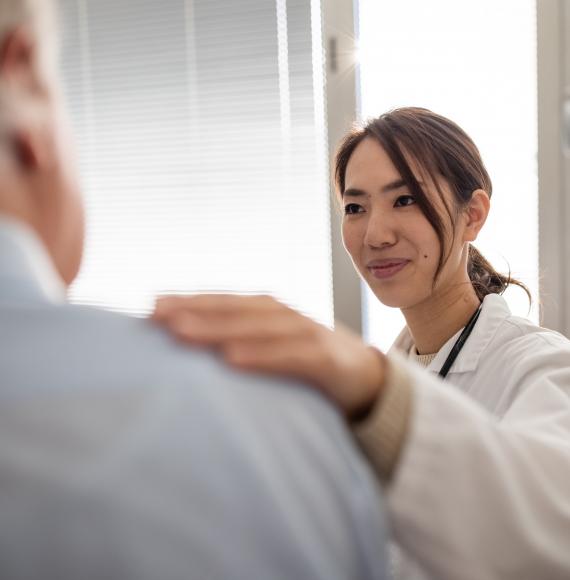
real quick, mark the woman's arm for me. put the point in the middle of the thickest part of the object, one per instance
(469, 496)
(474, 497)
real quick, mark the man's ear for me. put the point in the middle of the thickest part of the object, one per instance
(32, 139)
(18, 59)
(476, 213)
(27, 149)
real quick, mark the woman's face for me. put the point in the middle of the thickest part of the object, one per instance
(392, 244)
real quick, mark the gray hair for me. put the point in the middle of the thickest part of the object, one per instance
(40, 16)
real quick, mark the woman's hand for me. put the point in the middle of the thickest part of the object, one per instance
(258, 333)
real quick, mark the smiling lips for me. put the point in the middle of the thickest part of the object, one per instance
(383, 269)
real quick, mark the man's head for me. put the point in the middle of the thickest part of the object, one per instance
(38, 179)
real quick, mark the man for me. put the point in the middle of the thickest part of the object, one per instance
(123, 455)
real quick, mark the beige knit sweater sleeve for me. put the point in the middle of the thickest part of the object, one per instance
(382, 433)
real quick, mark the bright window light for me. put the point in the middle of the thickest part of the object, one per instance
(203, 149)
(474, 62)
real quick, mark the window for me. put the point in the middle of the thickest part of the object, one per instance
(203, 149)
(474, 62)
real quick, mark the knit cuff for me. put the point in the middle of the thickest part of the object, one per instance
(382, 434)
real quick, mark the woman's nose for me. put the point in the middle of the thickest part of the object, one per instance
(380, 231)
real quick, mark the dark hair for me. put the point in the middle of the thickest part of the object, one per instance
(441, 149)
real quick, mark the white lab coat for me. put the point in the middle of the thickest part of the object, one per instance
(482, 489)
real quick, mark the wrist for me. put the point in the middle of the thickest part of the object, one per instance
(372, 385)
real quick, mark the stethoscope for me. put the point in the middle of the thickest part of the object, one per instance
(459, 343)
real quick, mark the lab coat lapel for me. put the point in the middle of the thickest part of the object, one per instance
(495, 310)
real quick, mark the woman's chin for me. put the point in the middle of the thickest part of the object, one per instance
(394, 298)
(390, 299)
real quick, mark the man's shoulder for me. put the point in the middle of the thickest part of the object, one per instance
(76, 348)
(111, 409)
(90, 344)
(81, 356)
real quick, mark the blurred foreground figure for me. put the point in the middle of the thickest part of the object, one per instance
(122, 455)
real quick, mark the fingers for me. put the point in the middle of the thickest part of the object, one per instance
(167, 306)
(350, 375)
(211, 329)
(276, 357)
(255, 333)
(213, 319)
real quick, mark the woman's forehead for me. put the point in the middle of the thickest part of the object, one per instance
(370, 162)
(370, 159)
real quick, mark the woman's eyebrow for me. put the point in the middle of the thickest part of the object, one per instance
(353, 192)
(396, 184)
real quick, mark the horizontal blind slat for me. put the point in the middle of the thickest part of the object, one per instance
(190, 181)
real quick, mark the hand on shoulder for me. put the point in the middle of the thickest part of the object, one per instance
(260, 334)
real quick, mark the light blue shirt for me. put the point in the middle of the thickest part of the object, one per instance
(126, 456)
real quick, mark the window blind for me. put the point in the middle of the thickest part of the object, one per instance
(202, 142)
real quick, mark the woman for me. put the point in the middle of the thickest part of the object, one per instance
(477, 469)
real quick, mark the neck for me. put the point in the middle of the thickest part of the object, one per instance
(433, 322)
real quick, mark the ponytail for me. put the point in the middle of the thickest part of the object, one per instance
(486, 280)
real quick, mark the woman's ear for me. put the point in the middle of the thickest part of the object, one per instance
(476, 213)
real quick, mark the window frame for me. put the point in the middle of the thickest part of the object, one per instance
(339, 18)
(553, 80)
(553, 18)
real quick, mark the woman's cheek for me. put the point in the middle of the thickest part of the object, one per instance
(350, 240)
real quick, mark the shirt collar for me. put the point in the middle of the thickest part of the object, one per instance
(25, 265)
(494, 311)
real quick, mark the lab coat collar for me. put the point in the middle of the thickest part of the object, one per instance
(27, 272)
(494, 311)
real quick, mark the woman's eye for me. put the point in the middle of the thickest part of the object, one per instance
(352, 208)
(404, 200)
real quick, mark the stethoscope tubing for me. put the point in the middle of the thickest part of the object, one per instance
(459, 343)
